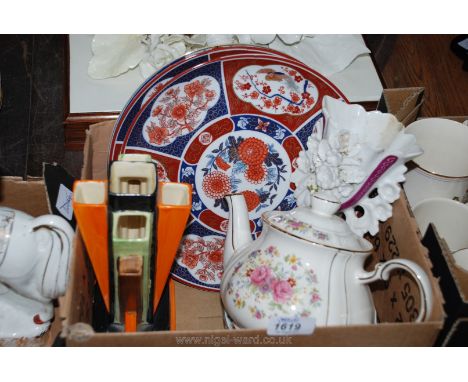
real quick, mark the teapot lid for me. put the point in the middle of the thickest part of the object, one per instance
(318, 224)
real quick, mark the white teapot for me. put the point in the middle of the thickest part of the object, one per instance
(306, 263)
(34, 268)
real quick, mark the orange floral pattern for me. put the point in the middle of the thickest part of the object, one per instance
(180, 110)
(203, 256)
(251, 199)
(253, 151)
(256, 174)
(216, 185)
(275, 89)
(237, 164)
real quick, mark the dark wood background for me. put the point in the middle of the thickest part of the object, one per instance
(34, 83)
(423, 60)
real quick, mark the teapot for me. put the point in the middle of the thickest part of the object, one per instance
(306, 263)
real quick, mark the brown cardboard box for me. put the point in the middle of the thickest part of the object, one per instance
(199, 314)
(30, 197)
(403, 103)
(453, 282)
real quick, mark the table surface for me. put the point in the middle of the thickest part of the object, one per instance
(359, 82)
(427, 61)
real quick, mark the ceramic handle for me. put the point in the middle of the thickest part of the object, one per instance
(382, 272)
(55, 278)
(56, 223)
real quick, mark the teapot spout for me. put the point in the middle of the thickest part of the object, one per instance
(238, 233)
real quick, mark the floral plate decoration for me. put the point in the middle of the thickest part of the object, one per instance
(205, 133)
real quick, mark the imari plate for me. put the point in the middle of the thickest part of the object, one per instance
(156, 82)
(229, 125)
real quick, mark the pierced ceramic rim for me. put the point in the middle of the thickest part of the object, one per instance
(439, 175)
(316, 243)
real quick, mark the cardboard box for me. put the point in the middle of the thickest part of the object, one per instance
(30, 197)
(199, 314)
(403, 103)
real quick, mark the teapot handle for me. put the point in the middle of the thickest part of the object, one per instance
(382, 272)
(55, 278)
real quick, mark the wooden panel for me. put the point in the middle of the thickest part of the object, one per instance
(76, 125)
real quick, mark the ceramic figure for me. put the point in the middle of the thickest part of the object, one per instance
(358, 158)
(34, 268)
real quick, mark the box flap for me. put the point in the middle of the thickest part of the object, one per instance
(96, 150)
(206, 314)
(27, 196)
(404, 103)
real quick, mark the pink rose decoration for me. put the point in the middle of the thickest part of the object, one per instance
(282, 291)
(260, 275)
(295, 224)
(315, 297)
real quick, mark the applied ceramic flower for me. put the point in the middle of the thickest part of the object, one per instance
(325, 167)
(358, 158)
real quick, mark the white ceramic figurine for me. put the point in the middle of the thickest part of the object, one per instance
(357, 157)
(34, 267)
